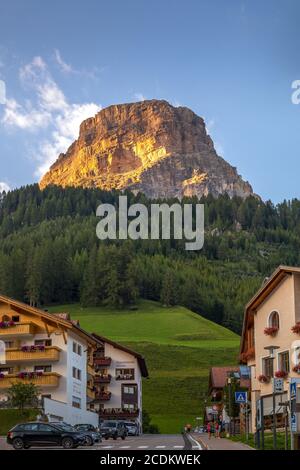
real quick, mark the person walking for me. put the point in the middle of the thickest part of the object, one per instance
(217, 428)
(209, 430)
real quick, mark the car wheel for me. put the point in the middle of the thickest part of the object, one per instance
(67, 443)
(89, 441)
(18, 443)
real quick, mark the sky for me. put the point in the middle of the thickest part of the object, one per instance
(232, 62)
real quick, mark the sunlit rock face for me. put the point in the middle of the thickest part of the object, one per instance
(151, 147)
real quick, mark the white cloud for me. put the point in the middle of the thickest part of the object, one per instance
(52, 112)
(23, 117)
(139, 97)
(4, 187)
(66, 68)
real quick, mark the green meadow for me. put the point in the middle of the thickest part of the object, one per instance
(179, 347)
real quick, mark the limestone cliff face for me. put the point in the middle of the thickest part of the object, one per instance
(151, 147)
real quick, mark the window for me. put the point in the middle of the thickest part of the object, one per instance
(9, 344)
(43, 342)
(284, 361)
(46, 368)
(274, 320)
(6, 370)
(31, 427)
(46, 428)
(129, 406)
(15, 318)
(129, 390)
(77, 349)
(76, 373)
(124, 374)
(268, 369)
(76, 402)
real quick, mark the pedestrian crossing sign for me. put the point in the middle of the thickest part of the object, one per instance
(240, 397)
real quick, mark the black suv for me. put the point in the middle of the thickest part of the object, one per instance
(113, 429)
(23, 436)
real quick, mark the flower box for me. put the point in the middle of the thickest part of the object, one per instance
(30, 375)
(263, 378)
(271, 331)
(296, 369)
(296, 328)
(281, 374)
(6, 324)
(33, 348)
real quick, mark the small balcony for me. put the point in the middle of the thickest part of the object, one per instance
(17, 330)
(102, 361)
(103, 396)
(102, 379)
(47, 379)
(118, 413)
(48, 354)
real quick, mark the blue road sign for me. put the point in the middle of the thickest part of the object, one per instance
(240, 397)
(293, 390)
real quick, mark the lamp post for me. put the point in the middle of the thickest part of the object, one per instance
(271, 350)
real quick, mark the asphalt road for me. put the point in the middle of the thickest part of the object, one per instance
(159, 442)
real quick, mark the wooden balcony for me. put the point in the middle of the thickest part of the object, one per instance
(102, 379)
(118, 413)
(102, 361)
(17, 330)
(49, 354)
(103, 396)
(48, 379)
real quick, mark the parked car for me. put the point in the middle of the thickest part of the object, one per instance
(92, 434)
(132, 428)
(23, 436)
(113, 429)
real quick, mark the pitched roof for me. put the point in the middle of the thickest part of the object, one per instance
(267, 287)
(139, 357)
(60, 319)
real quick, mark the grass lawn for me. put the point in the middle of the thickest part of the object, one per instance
(9, 418)
(179, 347)
(268, 440)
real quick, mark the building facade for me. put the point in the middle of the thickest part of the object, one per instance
(52, 352)
(270, 343)
(118, 381)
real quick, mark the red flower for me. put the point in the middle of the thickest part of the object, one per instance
(271, 330)
(296, 328)
(281, 374)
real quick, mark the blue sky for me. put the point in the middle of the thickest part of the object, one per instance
(232, 62)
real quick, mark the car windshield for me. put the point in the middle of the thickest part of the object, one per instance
(84, 427)
(109, 424)
(130, 424)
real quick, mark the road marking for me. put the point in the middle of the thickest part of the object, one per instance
(197, 446)
(107, 447)
(160, 447)
(178, 447)
(143, 447)
(124, 447)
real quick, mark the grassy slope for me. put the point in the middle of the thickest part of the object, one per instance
(9, 418)
(179, 347)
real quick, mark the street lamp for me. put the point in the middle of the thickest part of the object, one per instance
(271, 350)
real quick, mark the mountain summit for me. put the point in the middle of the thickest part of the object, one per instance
(151, 147)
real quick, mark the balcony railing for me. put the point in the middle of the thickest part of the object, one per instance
(118, 413)
(103, 396)
(49, 354)
(102, 379)
(18, 329)
(102, 361)
(47, 379)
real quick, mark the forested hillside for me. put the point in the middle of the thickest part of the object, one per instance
(49, 253)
